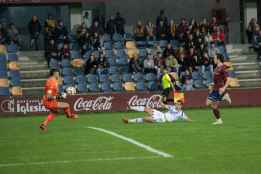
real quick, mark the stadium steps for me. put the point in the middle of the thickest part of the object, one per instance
(246, 67)
(34, 71)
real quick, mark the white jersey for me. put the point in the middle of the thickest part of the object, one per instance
(170, 116)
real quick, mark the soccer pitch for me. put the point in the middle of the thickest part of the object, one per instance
(71, 147)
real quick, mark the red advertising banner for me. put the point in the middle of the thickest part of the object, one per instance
(116, 102)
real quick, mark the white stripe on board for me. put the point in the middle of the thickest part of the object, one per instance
(74, 161)
(146, 147)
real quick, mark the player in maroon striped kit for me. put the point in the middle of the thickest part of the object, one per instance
(219, 90)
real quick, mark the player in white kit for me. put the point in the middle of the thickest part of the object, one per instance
(173, 114)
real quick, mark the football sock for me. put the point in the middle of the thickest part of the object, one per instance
(49, 118)
(68, 112)
(216, 113)
(137, 108)
(136, 120)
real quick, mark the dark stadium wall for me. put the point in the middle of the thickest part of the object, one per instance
(145, 10)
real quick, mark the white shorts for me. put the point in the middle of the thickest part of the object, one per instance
(158, 117)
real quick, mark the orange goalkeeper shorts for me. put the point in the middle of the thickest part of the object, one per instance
(50, 104)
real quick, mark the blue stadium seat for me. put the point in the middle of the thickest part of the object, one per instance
(75, 54)
(68, 80)
(67, 72)
(87, 55)
(108, 53)
(127, 77)
(3, 66)
(118, 45)
(102, 71)
(115, 78)
(152, 86)
(107, 45)
(138, 77)
(4, 91)
(93, 87)
(151, 44)
(66, 63)
(142, 53)
(106, 38)
(96, 53)
(122, 61)
(82, 87)
(105, 87)
(117, 37)
(163, 43)
(12, 48)
(12, 57)
(2, 58)
(111, 61)
(141, 44)
(150, 77)
(80, 79)
(124, 68)
(117, 86)
(15, 77)
(113, 70)
(103, 78)
(120, 53)
(78, 72)
(3, 73)
(92, 78)
(140, 86)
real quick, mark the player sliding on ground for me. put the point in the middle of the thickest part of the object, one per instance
(173, 114)
(218, 92)
(51, 100)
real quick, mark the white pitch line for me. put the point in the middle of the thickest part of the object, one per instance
(146, 147)
(74, 161)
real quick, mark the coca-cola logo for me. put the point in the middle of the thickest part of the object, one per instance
(102, 103)
(152, 101)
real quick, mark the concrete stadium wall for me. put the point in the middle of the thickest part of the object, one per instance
(115, 102)
(146, 10)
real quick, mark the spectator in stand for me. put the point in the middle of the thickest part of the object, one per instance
(250, 30)
(204, 26)
(193, 27)
(66, 51)
(187, 81)
(60, 30)
(149, 65)
(134, 65)
(91, 65)
(87, 21)
(219, 37)
(172, 29)
(162, 19)
(97, 28)
(213, 24)
(168, 51)
(207, 64)
(156, 50)
(51, 51)
(119, 23)
(150, 31)
(182, 29)
(257, 43)
(139, 32)
(34, 28)
(161, 31)
(110, 26)
(96, 41)
(190, 42)
(13, 34)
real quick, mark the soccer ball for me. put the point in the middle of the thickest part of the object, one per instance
(71, 90)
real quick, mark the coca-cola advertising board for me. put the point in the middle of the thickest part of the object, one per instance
(111, 102)
(115, 102)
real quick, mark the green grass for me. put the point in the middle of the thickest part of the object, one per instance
(198, 147)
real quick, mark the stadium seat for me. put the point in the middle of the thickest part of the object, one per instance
(96, 53)
(117, 86)
(151, 44)
(12, 57)
(111, 61)
(87, 55)
(66, 63)
(103, 78)
(12, 48)
(107, 45)
(127, 77)
(138, 77)
(68, 80)
(124, 68)
(92, 78)
(102, 71)
(115, 78)
(2, 58)
(93, 87)
(163, 43)
(141, 44)
(106, 38)
(118, 45)
(120, 53)
(4, 91)
(122, 61)
(80, 79)
(150, 77)
(152, 86)
(67, 72)
(108, 53)
(15, 78)
(3, 73)
(78, 72)
(113, 70)
(75, 54)
(105, 87)
(140, 86)
(3, 66)
(142, 53)
(117, 37)
(81, 87)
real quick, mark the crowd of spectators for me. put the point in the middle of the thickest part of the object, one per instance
(9, 33)
(254, 36)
